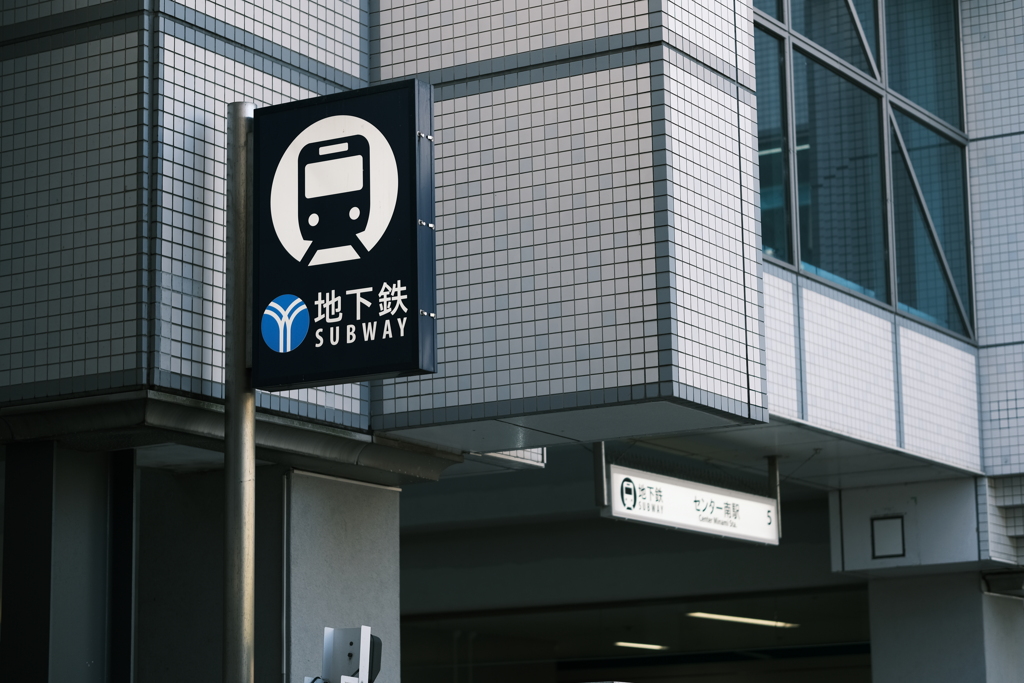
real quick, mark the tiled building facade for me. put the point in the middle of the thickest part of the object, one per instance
(637, 230)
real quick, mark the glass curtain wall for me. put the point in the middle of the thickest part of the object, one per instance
(862, 151)
(842, 219)
(773, 149)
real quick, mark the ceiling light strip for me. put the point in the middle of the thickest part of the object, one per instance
(642, 646)
(742, 620)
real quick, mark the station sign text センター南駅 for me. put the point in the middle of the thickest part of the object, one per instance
(691, 506)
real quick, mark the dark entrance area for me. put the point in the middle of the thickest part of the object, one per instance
(791, 636)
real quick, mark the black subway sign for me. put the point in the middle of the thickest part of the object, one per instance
(343, 248)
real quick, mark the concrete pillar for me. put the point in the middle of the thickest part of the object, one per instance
(342, 568)
(944, 628)
(28, 521)
(326, 555)
(67, 536)
(179, 627)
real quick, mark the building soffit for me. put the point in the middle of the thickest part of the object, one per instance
(147, 418)
(808, 455)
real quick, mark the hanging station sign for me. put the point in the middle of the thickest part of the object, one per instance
(343, 276)
(680, 504)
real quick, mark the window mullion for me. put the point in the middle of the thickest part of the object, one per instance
(793, 172)
(883, 50)
(890, 213)
(941, 125)
(960, 64)
(846, 70)
(768, 23)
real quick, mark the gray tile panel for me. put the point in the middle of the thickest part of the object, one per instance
(60, 14)
(993, 54)
(316, 35)
(782, 342)
(1001, 370)
(37, 37)
(99, 289)
(268, 56)
(997, 206)
(996, 523)
(197, 83)
(498, 243)
(845, 365)
(598, 208)
(849, 365)
(206, 61)
(993, 59)
(410, 37)
(72, 313)
(939, 392)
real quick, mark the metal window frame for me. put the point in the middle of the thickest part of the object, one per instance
(919, 193)
(890, 209)
(878, 86)
(863, 38)
(787, 119)
(879, 95)
(966, 166)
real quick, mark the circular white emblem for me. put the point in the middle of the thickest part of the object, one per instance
(334, 191)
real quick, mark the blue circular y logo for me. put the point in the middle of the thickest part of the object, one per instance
(285, 323)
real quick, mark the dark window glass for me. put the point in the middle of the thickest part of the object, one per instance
(923, 61)
(772, 149)
(839, 176)
(830, 24)
(866, 14)
(922, 287)
(770, 7)
(939, 168)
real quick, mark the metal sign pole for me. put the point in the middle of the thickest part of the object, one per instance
(239, 412)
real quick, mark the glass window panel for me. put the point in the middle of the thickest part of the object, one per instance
(921, 285)
(830, 24)
(772, 148)
(939, 166)
(923, 61)
(839, 176)
(866, 13)
(770, 7)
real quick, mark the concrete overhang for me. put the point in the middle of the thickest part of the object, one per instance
(146, 418)
(808, 455)
(561, 427)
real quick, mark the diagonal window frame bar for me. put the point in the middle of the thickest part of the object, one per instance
(968, 323)
(968, 296)
(863, 39)
(822, 52)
